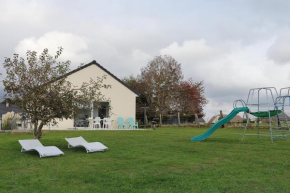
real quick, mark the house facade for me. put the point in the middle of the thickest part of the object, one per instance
(122, 99)
(7, 107)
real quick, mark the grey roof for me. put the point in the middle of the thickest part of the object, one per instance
(12, 107)
(201, 120)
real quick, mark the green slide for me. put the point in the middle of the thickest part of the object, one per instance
(219, 123)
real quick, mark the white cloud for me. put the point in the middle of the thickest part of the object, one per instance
(121, 50)
(139, 59)
(220, 67)
(196, 51)
(30, 11)
(231, 57)
(140, 56)
(75, 47)
(228, 72)
(279, 51)
(126, 64)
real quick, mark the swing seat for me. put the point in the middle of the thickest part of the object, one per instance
(266, 113)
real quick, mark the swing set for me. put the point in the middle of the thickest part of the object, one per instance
(267, 107)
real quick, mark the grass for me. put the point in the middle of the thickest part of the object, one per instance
(148, 161)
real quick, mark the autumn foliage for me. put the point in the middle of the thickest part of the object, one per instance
(162, 88)
(191, 98)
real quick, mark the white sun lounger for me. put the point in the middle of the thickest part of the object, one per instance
(34, 144)
(81, 142)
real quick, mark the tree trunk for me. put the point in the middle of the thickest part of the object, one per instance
(37, 132)
(160, 121)
(221, 116)
(178, 119)
(196, 119)
(35, 128)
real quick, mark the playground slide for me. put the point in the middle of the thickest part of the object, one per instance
(219, 123)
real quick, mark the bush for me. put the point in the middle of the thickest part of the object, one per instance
(9, 121)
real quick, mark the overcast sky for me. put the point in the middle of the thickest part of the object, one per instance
(231, 45)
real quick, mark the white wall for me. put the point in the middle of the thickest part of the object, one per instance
(123, 100)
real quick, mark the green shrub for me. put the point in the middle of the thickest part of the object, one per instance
(9, 119)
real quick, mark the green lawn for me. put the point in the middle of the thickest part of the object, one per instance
(148, 161)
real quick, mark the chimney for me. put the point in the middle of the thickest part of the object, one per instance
(7, 103)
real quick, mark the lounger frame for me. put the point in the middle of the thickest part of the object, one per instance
(89, 146)
(35, 145)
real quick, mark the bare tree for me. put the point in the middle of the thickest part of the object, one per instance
(161, 78)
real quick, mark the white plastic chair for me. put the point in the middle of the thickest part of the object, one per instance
(34, 144)
(97, 123)
(81, 142)
(107, 123)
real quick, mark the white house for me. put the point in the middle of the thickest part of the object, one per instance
(122, 98)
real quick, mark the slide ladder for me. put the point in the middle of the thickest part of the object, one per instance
(219, 123)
